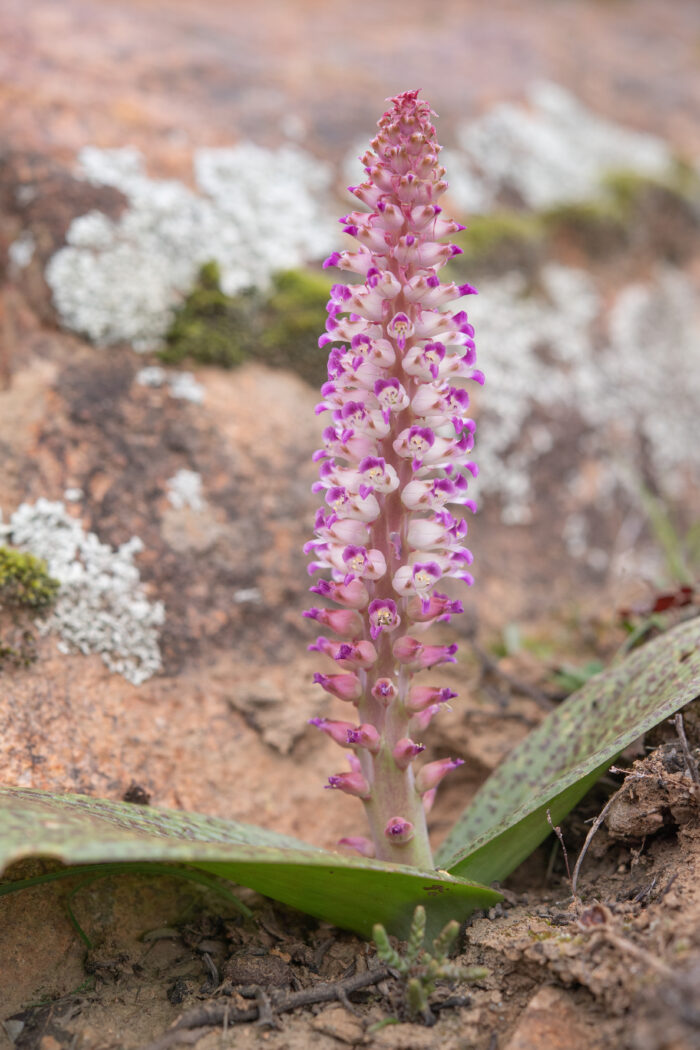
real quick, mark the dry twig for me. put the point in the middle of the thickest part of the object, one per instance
(691, 764)
(589, 838)
(209, 1015)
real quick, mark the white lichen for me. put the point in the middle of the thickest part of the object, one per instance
(185, 490)
(247, 595)
(101, 606)
(21, 252)
(634, 387)
(259, 211)
(552, 151)
(153, 376)
(185, 387)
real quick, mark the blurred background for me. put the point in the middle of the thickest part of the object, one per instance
(171, 174)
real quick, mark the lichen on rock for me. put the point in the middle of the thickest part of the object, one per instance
(119, 281)
(101, 605)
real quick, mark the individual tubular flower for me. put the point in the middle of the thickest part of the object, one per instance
(394, 456)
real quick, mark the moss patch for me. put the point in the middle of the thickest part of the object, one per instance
(26, 589)
(631, 212)
(279, 327)
(501, 241)
(24, 581)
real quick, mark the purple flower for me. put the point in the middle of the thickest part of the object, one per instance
(395, 454)
(383, 616)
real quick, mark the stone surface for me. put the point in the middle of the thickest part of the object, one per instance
(552, 1021)
(169, 74)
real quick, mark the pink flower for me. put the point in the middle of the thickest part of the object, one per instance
(395, 454)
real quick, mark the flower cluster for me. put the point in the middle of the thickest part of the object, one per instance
(395, 455)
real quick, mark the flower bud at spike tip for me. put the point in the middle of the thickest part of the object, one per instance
(393, 461)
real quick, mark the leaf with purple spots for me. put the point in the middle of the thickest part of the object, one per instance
(553, 767)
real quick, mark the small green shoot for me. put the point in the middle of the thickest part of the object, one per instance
(680, 548)
(568, 678)
(420, 969)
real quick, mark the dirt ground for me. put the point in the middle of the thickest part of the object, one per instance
(117, 962)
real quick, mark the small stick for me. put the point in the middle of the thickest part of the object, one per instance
(209, 1015)
(266, 1018)
(557, 832)
(668, 885)
(645, 891)
(690, 763)
(211, 969)
(589, 838)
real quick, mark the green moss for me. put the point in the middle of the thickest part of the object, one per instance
(210, 327)
(26, 589)
(24, 581)
(22, 655)
(500, 240)
(627, 188)
(280, 327)
(293, 317)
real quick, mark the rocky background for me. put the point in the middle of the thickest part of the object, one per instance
(170, 175)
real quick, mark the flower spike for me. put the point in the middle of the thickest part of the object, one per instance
(394, 458)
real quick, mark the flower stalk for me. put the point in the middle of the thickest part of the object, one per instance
(395, 455)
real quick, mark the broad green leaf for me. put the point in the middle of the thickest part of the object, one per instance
(351, 892)
(554, 766)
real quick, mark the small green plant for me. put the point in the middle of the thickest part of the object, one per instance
(680, 548)
(568, 678)
(420, 969)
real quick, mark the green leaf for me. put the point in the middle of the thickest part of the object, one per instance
(556, 764)
(351, 892)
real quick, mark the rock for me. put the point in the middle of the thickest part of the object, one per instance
(551, 1021)
(341, 1025)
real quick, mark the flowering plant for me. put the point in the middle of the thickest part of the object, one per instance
(394, 456)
